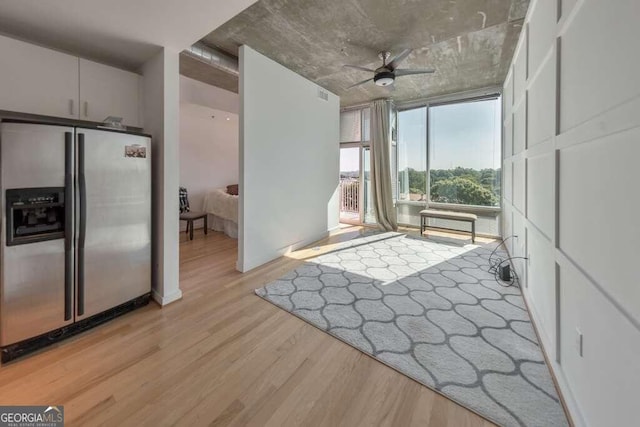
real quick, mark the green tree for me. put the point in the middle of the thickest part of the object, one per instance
(417, 181)
(462, 190)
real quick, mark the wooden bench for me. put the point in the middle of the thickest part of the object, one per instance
(454, 216)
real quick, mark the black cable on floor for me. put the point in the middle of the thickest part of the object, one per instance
(496, 248)
(515, 278)
(494, 266)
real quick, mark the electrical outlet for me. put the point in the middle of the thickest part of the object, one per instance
(579, 342)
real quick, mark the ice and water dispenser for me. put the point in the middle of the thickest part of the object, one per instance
(34, 215)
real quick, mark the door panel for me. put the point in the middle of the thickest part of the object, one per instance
(106, 91)
(33, 294)
(36, 80)
(32, 301)
(117, 243)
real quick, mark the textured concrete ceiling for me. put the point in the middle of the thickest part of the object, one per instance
(468, 42)
(198, 70)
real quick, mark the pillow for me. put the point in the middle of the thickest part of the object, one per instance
(232, 189)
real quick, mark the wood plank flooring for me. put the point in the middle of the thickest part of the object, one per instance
(222, 357)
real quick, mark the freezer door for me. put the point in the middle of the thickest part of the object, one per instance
(36, 295)
(113, 219)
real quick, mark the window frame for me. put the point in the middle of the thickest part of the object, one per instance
(361, 109)
(409, 202)
(482, 95)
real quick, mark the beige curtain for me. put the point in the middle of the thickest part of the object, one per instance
(382, 195)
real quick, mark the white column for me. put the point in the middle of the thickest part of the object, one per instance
(161, 97)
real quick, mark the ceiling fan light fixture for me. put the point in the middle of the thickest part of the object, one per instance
(386, 74)
(384, 78)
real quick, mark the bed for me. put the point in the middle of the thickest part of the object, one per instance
(223, 212)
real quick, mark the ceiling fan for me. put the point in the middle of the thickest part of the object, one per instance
(387, 73)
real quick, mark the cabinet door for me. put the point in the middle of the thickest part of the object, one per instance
(106, 91)
(37, 80)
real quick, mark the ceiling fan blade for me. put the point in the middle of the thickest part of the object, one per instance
(400, 73)
(360, 83)
(398, 59)
(357, 67)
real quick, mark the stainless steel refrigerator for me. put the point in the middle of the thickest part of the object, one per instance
(76, 230)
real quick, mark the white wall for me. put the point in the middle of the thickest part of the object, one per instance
(195, 92)
(208, 151)
(160, 96)
(289, 142)
(573, 141)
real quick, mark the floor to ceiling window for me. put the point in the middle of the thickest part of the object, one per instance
(412, 155)
(464, 153)
(449, 156)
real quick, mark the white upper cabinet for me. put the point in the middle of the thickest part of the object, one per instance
(37, 80)
(106, 91)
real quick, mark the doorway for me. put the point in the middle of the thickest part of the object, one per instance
(350, 185)
(355, 185)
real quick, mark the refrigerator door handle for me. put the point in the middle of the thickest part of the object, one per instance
(68, 225)
(82, 229)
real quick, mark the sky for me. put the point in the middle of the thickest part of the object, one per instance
(349, 159)
(465, 134)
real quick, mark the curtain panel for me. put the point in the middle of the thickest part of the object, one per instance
(381, 193)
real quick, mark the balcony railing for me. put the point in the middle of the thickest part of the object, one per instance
(349, 195)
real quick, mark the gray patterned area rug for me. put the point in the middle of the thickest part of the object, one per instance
(433, 312)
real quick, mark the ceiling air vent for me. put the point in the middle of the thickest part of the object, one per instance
(213, 57)
(323, 94)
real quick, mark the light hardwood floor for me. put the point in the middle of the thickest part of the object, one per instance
(222, 356)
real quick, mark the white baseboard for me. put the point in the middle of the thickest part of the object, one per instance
(556, 370)
(248, 265)
(166, 300)
(307, 242)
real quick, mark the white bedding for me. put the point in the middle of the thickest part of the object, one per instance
(223, 210)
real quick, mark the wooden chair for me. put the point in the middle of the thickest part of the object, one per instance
(187, 215)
